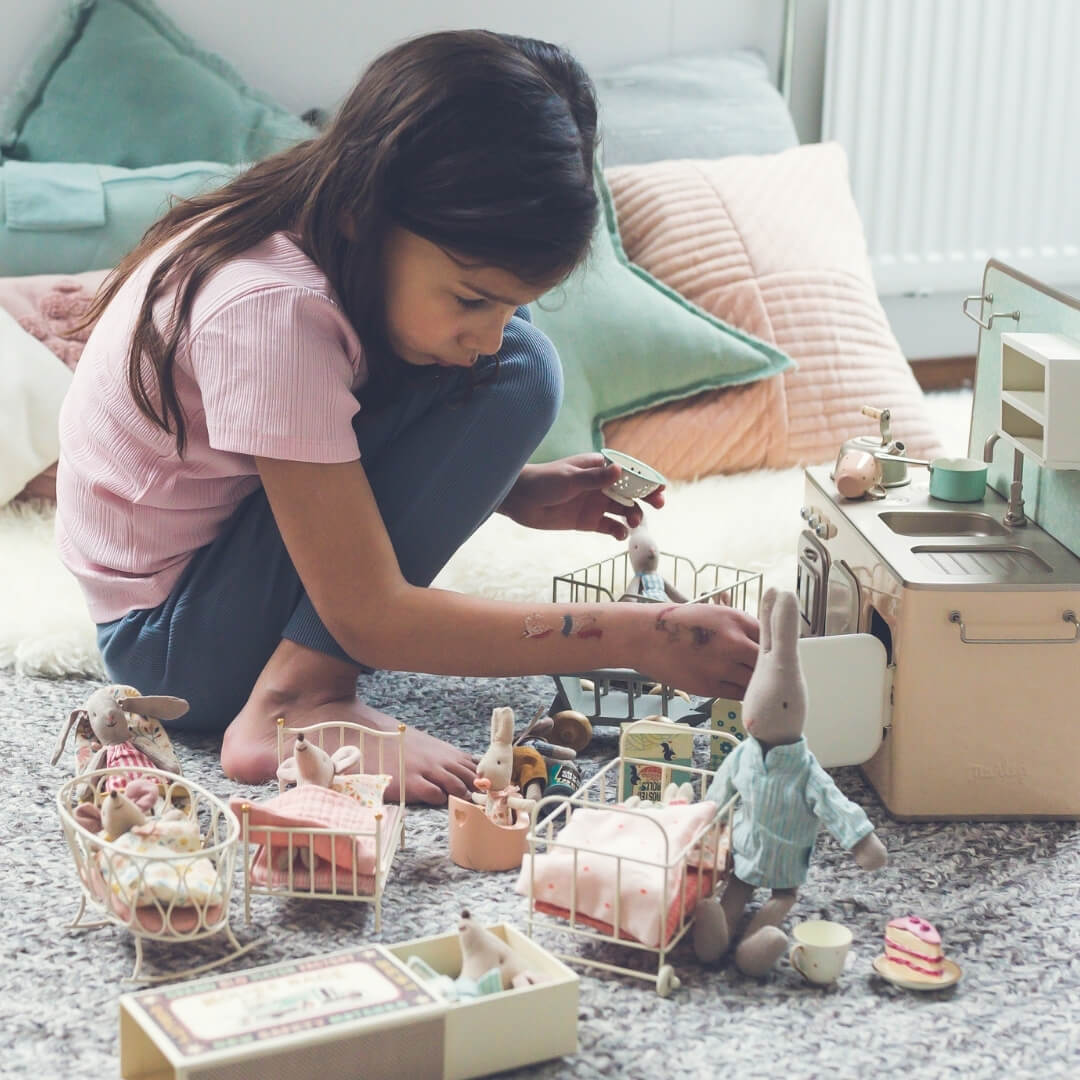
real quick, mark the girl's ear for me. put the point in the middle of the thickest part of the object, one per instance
(347, 226)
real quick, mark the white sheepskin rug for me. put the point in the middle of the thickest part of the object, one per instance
(749, 520)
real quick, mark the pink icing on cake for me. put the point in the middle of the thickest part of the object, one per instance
(913, 943)
(923, 930)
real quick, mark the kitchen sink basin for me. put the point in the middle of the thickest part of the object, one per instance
(942, 523)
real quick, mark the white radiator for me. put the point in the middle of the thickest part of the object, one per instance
(961, 119)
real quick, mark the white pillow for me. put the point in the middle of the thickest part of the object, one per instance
(33, 382)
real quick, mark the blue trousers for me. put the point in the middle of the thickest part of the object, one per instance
(439, 462)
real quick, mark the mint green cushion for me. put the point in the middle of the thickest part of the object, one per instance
(119, 84)
(66, 218)
(628, 342)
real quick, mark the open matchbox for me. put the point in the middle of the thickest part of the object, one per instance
(358, 1013)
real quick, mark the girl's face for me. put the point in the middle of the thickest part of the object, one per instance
(442, 310)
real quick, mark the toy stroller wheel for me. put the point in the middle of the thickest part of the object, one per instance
(666, 981)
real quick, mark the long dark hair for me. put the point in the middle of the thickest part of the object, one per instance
(479, 142)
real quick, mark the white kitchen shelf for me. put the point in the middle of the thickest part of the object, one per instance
(1040, 397)
(1031, 403)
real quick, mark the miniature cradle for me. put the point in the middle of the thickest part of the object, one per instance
(170, 883)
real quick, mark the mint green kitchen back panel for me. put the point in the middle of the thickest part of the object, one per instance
(1051, 496)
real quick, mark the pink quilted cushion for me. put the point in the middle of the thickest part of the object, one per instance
(50, 306)
(774, 245)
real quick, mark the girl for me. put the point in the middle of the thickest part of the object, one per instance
(304, 391)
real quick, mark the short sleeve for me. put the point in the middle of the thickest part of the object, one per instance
(275, 372)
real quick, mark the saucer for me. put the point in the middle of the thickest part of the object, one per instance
(896, 974)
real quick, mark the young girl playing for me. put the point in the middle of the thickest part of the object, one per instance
(304, 391)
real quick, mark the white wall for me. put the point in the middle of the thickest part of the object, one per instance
(309, 52)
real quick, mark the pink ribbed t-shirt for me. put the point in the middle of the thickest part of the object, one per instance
(269, 367)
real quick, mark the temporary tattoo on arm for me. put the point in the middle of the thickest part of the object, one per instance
(699, 635)
(577, 626)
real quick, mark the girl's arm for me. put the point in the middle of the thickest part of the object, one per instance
(335, 536)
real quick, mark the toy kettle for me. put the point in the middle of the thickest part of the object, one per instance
(893, 473)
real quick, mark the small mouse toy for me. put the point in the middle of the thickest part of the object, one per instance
(311, 764)
(481, 950)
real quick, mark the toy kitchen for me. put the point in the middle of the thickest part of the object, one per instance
(973, 604)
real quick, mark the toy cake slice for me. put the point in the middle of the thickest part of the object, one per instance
(914, 945)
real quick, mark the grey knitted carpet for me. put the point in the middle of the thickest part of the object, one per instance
(1005, 896)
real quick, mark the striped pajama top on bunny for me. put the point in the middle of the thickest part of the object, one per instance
(783, 798)
(121, 755)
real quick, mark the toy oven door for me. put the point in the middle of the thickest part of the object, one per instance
(810, 584)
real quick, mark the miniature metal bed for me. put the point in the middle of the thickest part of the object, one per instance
(616, 695)
(298, 843)
(686, 872)
(176, 896)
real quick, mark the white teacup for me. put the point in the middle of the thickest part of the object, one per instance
(820, 950)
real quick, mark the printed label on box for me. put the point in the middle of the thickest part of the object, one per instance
(727, 717)
(281, 999)
(667, 749)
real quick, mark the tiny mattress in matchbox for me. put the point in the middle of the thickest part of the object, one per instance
(915, 945)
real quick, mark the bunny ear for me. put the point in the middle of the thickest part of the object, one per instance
(502, 725)
(159, 706)
(765, 618)
(73, 718)
(785, 625)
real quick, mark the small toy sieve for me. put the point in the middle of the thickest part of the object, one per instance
(637, 479)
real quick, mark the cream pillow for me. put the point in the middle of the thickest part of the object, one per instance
(33, 382)
(773, 245)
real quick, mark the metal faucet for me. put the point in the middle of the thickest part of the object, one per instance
(1014, 515)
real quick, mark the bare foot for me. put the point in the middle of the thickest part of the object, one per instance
(306, 687)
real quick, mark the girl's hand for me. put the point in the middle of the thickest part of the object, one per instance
(568, 494)
(705, 649)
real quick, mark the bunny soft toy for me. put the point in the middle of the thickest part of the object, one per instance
(645, 560)
(784, 796)
(118, 744)
(494, 791)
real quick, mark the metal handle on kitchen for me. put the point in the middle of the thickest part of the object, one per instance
(989, 298)
(1067, 616)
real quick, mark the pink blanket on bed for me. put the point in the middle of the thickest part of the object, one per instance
(649, 878)
(282, 819)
